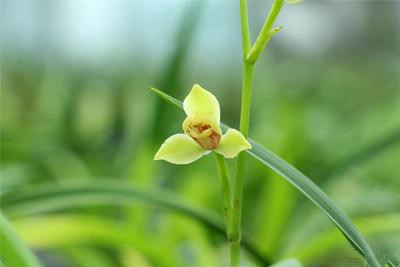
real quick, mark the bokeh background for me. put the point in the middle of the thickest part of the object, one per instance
(75, 107)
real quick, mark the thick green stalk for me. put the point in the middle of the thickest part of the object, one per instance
(247, 76)
(244, 23)
(226, 191)
(249, 57)
(266, 32)
(235, 254)
(238, 190)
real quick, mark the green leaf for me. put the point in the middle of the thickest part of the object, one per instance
(167, 98)
(318, 197)
(52, 197)
(306, 186)
(13, 250)
(329, 240)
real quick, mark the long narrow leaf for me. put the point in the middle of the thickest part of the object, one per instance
(54, 197)
(329, 240)
(319, 197)
(307, 187)
(13, 250)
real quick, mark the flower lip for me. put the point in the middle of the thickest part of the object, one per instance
(210, 142)
(204, 130)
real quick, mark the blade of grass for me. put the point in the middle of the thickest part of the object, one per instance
(306, 186)
(52, 197)
(13, 250)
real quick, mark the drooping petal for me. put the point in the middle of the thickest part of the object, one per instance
(180, 149)
(201, 102)
(232, 142)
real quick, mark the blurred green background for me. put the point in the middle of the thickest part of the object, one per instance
(75, 108)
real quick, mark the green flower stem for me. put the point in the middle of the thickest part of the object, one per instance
(226, 191)
(266, 32)
(235, 254)
(237, 211)
(244, 22)
(247, 77)
(238, 189)
(249, 57)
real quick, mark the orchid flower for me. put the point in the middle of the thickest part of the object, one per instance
(202, 132)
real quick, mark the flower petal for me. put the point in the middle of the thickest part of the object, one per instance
(201, 102)
(180, 149)
(232, 142)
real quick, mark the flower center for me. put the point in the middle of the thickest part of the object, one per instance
(203, 132)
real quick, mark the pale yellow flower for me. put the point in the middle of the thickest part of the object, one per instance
(202, 132)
